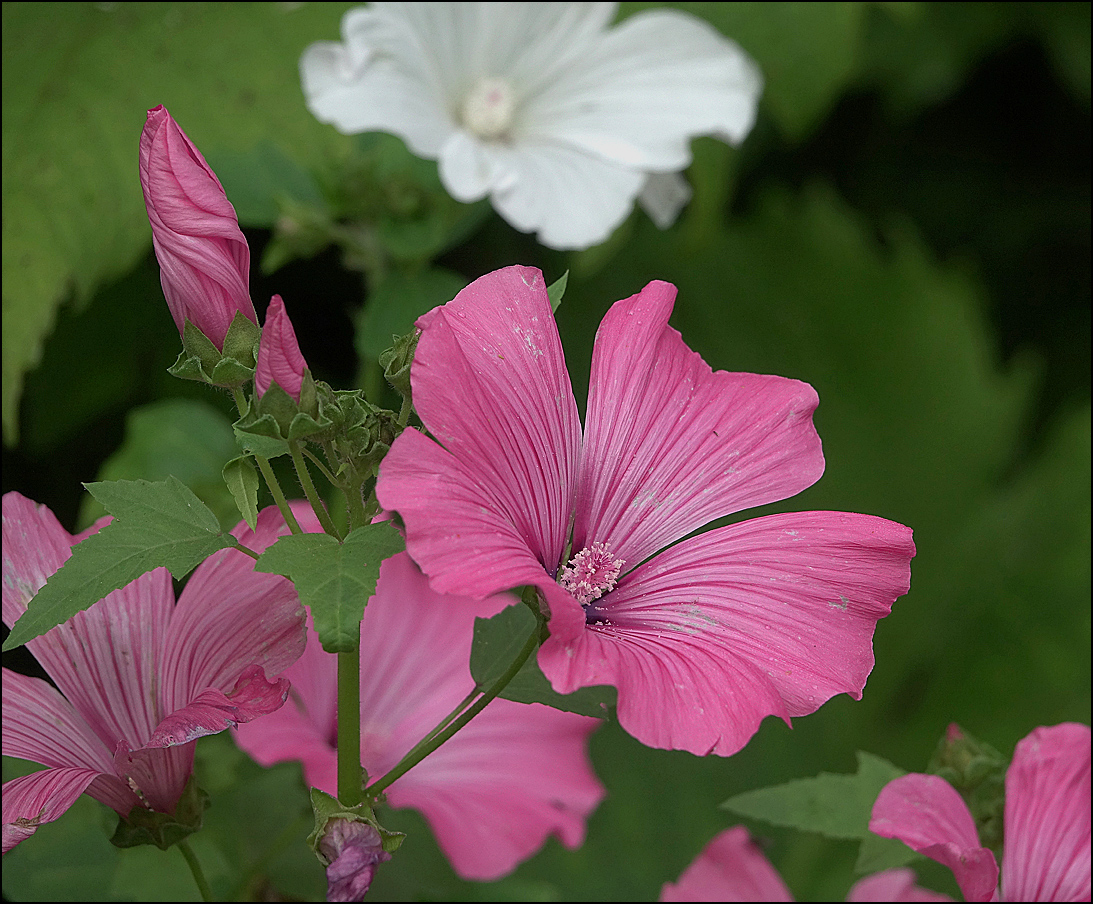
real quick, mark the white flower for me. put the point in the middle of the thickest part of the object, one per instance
(560, 119)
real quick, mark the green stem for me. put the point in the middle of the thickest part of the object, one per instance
(450, 726)
(195, 868)
(267, 472)
(246, 550)
(314, 459)
(350, 774)
(310, 492)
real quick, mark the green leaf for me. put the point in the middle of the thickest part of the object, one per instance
(155, 525)
(837, 806)
(334, 579)
(556, 290)
(74, 215)
(164, 830)
(499, 639)
(241, 477)
(397, 301)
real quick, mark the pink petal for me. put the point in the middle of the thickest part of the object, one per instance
(892, 885)
(926, 813)
(32, 800)
(491, 385)
(771, 616)
(203, 257)
(230, 617)
(102, 659)
(671, 445)
(157, 776)
(213, 711)
(1047, 819)
(731, 868)
(279, 358)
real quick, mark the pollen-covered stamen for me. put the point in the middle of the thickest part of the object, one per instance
(591, 573)
(488, 109)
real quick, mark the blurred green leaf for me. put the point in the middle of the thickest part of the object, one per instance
(72, 118)
(397, 301)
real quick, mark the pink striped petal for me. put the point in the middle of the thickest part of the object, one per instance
(230, 617)
(893, 885)
(670, 444)
(771, 616)
(280, 360)
(927, 814)
(491, 385)
(32, 800)
(731, 868)
(104, 658)
(1046, 855)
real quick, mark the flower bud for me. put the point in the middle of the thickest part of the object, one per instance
(351, 851)
(203, 257)
(279, 358)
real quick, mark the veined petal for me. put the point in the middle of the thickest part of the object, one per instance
(279, 358)
(638, 95)
(772, 616)
(568, 197)
(892, 885)
(1047, 820)
(33, 800)
(730, 868)
(670, 444)
(927, 814)
(103, 659)
(491, 385)
(213, 711)
(229, 617)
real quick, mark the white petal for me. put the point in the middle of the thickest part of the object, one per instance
(664, 196)
(654, 82)
(570, 199)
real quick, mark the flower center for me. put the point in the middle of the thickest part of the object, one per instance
(591, 573)
(488, 109)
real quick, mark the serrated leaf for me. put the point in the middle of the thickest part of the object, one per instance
(241, 478)
(335, 580)
(497, 641)
(837, 806)
(155, 525)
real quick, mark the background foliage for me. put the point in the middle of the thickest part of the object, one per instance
(907, 229)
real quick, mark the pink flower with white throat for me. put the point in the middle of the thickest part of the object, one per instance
(204, 260)
(138, 678)
(493, 793)
(560, 118)
(1046, 845)
(703, 638)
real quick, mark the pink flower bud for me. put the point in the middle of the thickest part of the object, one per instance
(279, 357)
(203, 257)
(352, 851)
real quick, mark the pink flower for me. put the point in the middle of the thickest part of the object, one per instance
(203, 257)
(279, 358)
(1047, 820)
(352, 851)
(138, 678)
(733, 868)
(494, 792)
(702, 638)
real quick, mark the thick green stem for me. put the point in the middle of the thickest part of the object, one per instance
(450, 726)
(310, 492)
(350, 774)
(195, 868)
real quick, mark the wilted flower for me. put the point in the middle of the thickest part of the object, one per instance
(1045, 856)
(562, 120)
(703, 638)
(352, 851)
(733, 868)
(204, 260)
(138, 679)
(513, 775)
(279, 358)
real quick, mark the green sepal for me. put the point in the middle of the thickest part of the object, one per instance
(361, 435)
(396, 362)
(201, 360)
(556, 290)
(143, 826)
(978, 772)
(275, 418)
(241, 477)
(327, 808)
